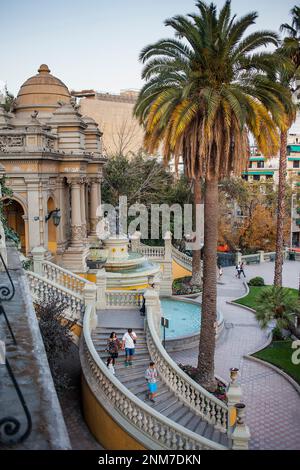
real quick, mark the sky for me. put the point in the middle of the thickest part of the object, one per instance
(96, 43)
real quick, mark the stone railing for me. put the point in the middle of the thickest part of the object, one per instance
(123, 299)
(56, 273)
(43, 289)
(200, 401)
(153, 430)
(182, 259)
(63, 277)
(156, 252)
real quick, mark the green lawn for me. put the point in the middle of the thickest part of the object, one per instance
(250, 299)
(279, 353)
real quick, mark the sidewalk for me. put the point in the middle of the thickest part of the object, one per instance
(273, 405)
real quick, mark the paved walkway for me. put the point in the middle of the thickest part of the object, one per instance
(273, 405)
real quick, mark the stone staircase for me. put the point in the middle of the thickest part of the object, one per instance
(167, 402)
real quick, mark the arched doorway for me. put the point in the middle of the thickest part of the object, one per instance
(14, 214)
(52, 243)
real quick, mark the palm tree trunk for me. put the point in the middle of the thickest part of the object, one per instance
(206, 356)
(196, 261)
(281, 209)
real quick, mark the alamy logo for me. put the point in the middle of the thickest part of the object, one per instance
(296, 353)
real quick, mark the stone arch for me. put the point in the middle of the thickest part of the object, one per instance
(15, 213)
(52, 233)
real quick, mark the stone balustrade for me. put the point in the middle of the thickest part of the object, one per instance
(157, 252)
(182, 259)
(153, 430)
(63, 277)
(56, 273)
(43, 289)
(123, 299)
(203, 403)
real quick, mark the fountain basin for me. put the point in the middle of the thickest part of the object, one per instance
(133, 277)
(184, 323)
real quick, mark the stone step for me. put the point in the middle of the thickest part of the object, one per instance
(163, 406)
(119, 331)
(185, 418)
(166, 402)
(104, 340)
(131, 370)
(178, 413)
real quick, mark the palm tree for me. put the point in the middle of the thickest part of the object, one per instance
(289, 60)
(277, 303)
(196, 260)
(205, 90)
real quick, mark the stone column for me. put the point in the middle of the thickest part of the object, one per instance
(241, 434)
(101, 289)
(234, 395)
(76, 227)
(94, 203)
(83, 210)
(74, 258)
(167, 272)
(38, 256)
(152, 304)
(36, 215)
(261, 256)
(89, 295)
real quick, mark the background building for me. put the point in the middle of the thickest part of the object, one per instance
(52, 157)
(122, 133)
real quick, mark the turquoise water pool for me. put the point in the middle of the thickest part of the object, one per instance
(184, 318)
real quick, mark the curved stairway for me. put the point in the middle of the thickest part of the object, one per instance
(132, 377)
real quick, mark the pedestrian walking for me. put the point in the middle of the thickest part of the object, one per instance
(151, 378)
(113, 345)
(110, 365)
(128, 344)
(238, 271)
(242, 269)
(143, 308)
(220, 271)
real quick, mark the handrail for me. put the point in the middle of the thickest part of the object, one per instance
(158, 431)
(41, 287)
(64, 277)
(210, 408)
(5, 292)
(181, 258)
(10, 425)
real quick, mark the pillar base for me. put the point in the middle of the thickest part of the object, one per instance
(74, 259)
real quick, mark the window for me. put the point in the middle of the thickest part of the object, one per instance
(269, 177)
(296, 164)
(260, 164)
(250, 165)
(256, 177)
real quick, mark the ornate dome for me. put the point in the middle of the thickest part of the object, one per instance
(42, 93)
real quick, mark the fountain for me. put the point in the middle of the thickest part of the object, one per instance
(124, 268)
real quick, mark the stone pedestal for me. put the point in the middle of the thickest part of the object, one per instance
(101, 289)
(166, 267)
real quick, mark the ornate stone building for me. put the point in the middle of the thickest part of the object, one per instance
(52, 157)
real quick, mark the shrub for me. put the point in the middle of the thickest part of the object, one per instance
(277, 334)
(57, 337)
(256, 281)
